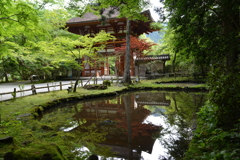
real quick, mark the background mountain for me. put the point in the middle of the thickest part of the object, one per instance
(155, 36)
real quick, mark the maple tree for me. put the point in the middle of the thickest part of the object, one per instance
(138, 47)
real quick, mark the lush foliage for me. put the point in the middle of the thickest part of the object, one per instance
(17, 21)
(180, 60)
(70, 51)
(24, 26)
(211, 141)
(208, 31)
(34, 42)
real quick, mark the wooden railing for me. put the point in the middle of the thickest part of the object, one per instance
(34, 89)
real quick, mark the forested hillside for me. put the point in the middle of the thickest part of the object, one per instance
(155, 36)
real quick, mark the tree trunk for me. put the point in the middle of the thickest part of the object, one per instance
(6, 77)
(138, 66)
(78, 74)
(174, 61)
(126, 76)
(127, 104)
(228, 103)
(77, 79)
(202, 70)
(230, 29)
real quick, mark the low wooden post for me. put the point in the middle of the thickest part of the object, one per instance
(33, 89)
(81, 83)
(14, 93)
(48, 88)
(69, 89)
(60, 86)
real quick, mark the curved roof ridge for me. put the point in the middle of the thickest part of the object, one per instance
(90, 17)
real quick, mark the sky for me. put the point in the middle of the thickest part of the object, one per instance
(155, 3)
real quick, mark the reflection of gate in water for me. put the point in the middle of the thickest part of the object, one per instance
(156, 99)
(111, 116)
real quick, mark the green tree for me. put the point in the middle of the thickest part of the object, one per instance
(51, 26)
(180, 60)
(71, 50)
(27, 50)
(22, 26)
(209, 32)
(15, 15)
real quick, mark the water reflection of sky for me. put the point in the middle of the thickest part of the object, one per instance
(158, 148)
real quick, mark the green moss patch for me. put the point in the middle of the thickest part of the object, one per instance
(36, 150)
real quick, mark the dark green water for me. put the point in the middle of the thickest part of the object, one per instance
(147, 125)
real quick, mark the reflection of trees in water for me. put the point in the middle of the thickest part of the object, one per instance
(73, 133)
(181, 119)
(176, 143)
(181, 113)
(124, 125)
(91, 136)
(154, 96)
(91, 131)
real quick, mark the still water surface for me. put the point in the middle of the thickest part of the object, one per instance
(147, 125)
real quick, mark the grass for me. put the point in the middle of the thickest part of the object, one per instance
(23, 105)
(40, 81)
(162, 83)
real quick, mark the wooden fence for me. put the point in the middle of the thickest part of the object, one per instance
(34, 89)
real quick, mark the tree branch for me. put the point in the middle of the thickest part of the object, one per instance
(11, 16)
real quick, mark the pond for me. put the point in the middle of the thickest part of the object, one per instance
(146, 125)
